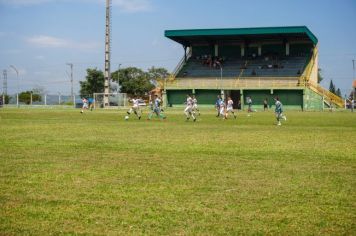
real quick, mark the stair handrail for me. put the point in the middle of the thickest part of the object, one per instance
(182, 62)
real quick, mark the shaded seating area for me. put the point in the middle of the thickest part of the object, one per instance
(263, 66)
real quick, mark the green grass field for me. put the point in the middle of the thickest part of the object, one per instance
(62, 172)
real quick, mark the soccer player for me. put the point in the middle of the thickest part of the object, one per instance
(85, 105)
(135, 108)
(265, 104)
(229, 108)
(195, 105)
(249, 103)
(217, 105)
(222, 111)
(188, 111)
(156, 108)
(91, 103)
(279, 111)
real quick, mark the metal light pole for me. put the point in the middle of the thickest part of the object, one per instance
(71, 81)
(221, 87)
(354, 78)
(18, 84)
(118, 79)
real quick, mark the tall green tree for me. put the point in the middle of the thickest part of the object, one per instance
(157, 75)
(94, 83)
(338, 92)
(7, 98)
(133, 81)
(25, 97)
(332, 87)
(320, 75)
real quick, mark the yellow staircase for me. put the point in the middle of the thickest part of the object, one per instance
(329, 97)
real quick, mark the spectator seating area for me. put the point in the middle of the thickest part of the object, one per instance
(264, 66)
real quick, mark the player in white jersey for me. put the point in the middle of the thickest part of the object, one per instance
(222, 107)
(188, 111)
(85, 105)
(135, 108)
(230, 108)
(195, 105)
(279, 111)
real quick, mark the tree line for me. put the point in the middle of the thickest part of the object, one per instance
(132, 80)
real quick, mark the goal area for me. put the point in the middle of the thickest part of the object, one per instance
(116, 100)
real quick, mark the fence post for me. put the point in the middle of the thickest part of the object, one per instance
(45, 99)
(17, 99)
(73, 100)
(31, 98)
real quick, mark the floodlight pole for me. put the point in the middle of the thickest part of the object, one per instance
(221, 83)
(354, 78)
(18, 84)
(71, 81)
(118, 82)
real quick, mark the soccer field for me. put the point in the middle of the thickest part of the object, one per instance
(62, 172)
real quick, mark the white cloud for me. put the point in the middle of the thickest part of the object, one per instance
(132, 6)
(46, 41)
(23, 2)
(39, 57)
(129, 6)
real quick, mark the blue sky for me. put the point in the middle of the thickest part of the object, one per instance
(39, 37)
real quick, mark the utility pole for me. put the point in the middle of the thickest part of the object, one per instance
(354, 79)
(107, 74)
(71, 81)
(4, 88)
(18, 85)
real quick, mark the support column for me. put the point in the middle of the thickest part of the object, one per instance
(45, 99)
(216, 50)
(242, 50)
(287, 49)
(164, 96)
(259, 49)
(242, 99)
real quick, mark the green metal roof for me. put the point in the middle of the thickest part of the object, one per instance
(186, 36)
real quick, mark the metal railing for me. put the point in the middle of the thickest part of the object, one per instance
(181, 63)
(233, 83)
(331, 97)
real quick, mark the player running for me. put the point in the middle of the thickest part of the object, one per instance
(222, 109)
(249, 104)
(188, 111)
(195, 105)
(156, 108)
(85, 105)
(279, 111)
(91, 103)
(135, 108)
(229, 108)
(217, 105)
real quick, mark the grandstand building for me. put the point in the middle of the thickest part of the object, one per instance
(249, 62)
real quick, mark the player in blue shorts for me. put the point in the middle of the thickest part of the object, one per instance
(279, 111)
